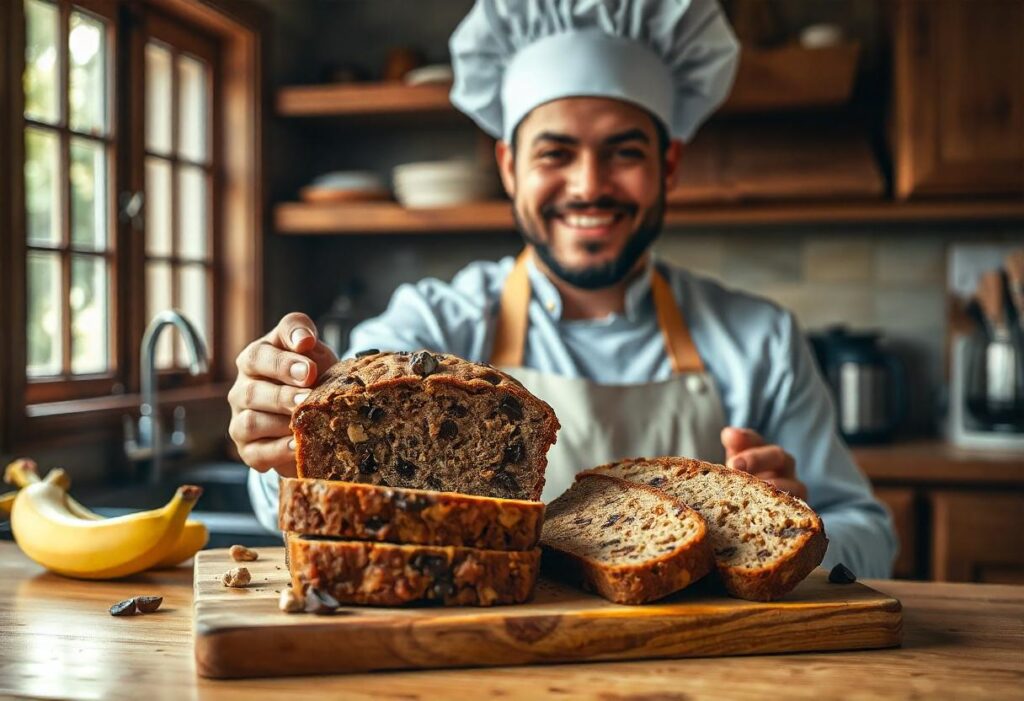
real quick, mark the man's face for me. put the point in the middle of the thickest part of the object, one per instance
(588, 182)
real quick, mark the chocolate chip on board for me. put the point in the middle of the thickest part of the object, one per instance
(148, 604)
(123, 608)
(841, 574)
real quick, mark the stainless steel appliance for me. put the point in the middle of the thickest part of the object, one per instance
(987, 372)
(868, 383)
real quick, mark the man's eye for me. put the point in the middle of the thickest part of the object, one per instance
(630, 153)
(558, 154)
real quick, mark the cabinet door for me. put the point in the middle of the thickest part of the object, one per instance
(978, 537)
(902, 505)
(959, 97)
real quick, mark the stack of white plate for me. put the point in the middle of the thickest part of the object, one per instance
(441, 183)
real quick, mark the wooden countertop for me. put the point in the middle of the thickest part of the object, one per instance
(938, 462)
(57, 640)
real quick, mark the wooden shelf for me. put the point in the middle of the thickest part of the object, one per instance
(358, 99)
(390, 218)
(766, 81)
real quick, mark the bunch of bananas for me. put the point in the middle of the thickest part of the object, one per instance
(65, 537)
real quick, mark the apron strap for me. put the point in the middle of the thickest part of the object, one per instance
(513, 319)
(513, 316)
(678, 342)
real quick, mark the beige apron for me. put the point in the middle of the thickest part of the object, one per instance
(602, 423)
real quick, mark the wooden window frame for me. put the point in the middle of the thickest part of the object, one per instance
(241, 31)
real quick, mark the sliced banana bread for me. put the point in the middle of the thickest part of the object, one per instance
(387, 574)
(628, 542)
(765, 541)
(413, 516)
(425, 421)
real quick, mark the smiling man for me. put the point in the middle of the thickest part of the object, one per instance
(592, 101)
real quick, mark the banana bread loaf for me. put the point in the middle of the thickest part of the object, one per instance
(765, 541)
(387, 574)
(425, 421)
(628, 542)
(366, 512)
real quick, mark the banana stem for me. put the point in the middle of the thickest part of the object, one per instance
(21, 472)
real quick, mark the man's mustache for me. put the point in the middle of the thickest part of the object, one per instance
(603, 204)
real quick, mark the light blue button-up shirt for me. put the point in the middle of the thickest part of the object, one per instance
(763, 368)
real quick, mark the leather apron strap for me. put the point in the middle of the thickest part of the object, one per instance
(513, 321)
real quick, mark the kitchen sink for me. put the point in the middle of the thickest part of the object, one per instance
(224, 506)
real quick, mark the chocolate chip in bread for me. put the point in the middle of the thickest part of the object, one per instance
(628, 542)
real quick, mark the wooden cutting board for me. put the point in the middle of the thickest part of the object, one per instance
(241, 632)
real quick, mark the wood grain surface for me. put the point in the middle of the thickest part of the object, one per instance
(241, 632)
(961, 641)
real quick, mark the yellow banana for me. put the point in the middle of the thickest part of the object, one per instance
(63, 542)
(22, 472)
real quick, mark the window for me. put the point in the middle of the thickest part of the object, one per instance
(68, 146)
(120, 195)
(178, 183)
(73, 319)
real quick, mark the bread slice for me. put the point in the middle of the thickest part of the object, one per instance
(764, 540)
(388, 574)
(425, 421)
(413, 516)
(628, 542)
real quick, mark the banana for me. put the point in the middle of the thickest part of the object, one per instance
(63, 542)
(22, 472)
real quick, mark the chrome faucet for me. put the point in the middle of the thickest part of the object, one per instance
(149, 443)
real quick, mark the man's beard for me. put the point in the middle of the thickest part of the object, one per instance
(596, 277)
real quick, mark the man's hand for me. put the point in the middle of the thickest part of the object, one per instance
(273, 374)
(746, 450)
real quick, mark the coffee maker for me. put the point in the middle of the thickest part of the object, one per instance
(986, 408)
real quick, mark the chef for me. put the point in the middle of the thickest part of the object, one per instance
(592, 102)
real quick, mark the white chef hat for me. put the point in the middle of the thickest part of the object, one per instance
(675, 58)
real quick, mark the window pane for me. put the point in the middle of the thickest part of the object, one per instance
(192, 208)
(90, 319)
(44, 314)
(192, 293)
(158, 298)
(42, 191)
(88, 194)
(87, 80)
(42, 101)
(158, 98)
(158, 207)
(192, 122)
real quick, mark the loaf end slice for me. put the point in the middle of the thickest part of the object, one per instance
(388, 574)
(765, 541)
(354, 511)
(628, 542)
(425, 421)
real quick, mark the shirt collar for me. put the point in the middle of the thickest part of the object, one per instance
(638, 292)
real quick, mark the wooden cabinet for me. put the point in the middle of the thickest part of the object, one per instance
(977, 537)
(904, 507)
(958, 91)
(958, 514)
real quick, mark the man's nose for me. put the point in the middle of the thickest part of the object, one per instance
(587, 178)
